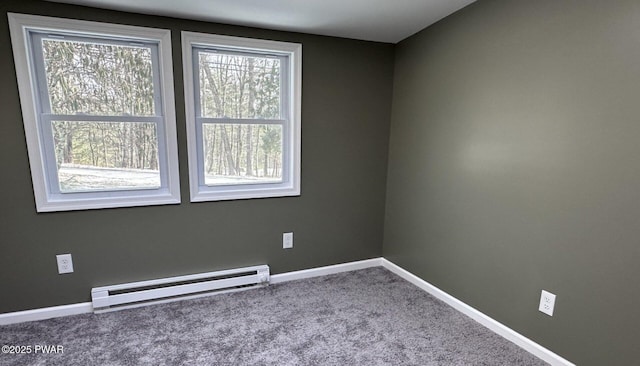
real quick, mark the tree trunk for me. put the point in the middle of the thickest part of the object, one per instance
(266, 165)
(231, 167)
(252, 112)
(68, 146)
(211, 146)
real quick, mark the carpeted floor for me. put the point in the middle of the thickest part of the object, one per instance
(367, 317)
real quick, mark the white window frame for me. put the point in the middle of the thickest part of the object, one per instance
(291, 117)
(41, 154)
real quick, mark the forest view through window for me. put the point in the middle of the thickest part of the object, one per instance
(112, 84)
(243, 113)
(240, 104)
(98, 111)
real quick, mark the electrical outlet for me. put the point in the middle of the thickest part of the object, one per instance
(65, 263)
(287, 240)
(547, 302)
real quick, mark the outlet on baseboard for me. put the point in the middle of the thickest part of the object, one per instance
(287, 240)
(65, 263)
(547, 302)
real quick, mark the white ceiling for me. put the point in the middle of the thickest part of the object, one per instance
(373, 20)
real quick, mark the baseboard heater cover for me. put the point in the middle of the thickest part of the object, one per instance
(127, 295)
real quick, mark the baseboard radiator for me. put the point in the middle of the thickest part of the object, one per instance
(135, 294)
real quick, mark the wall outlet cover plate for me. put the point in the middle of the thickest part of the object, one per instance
(547, 302)
(65, 263)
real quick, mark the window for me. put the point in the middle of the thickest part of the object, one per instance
(243, 116)
(98, 110)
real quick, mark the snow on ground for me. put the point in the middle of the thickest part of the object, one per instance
(77, 178)
(212, 180)
(80, 178)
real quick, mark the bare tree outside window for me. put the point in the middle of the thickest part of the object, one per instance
(96, 79)
(234, 88)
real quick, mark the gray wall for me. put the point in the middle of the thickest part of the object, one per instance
(338, 218)
(514, 167)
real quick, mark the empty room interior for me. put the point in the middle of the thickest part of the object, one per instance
(320, 182)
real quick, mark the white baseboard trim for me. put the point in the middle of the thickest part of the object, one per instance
(45, 313)
(323, 271)
(86, 307)
(492, 324)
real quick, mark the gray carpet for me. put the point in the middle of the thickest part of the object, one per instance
(367, 317)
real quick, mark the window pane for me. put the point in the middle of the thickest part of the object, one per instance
(234, 86)
(242, 154)
(101, 156)
(98, 79)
